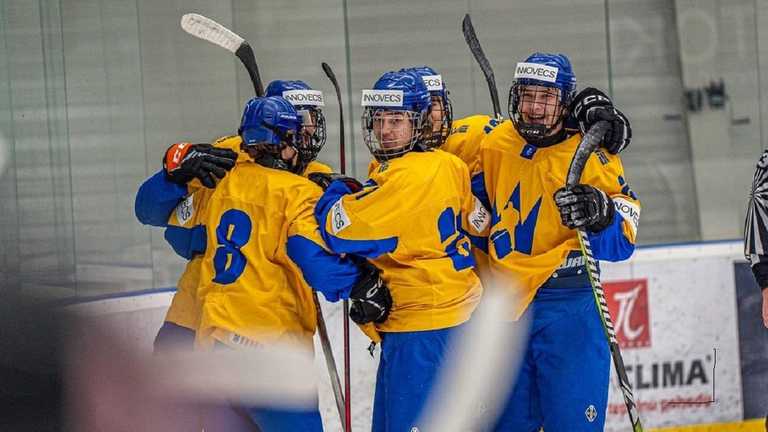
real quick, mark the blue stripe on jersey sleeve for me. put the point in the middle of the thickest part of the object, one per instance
(330, 274)
(366, 248)
(610, 244)
(186, 242)
(156, 199)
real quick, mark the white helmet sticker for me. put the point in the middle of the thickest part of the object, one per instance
(383, 98)
(304, 97)
(536, 71)
(433, 82)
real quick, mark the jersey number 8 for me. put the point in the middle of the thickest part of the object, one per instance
(229, 262)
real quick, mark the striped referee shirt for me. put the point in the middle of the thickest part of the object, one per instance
(756, 223)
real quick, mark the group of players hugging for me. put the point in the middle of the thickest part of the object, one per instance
(264, 226)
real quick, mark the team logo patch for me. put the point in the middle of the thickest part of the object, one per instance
(185, 210)
(304, 97)
(479, 218)
(339, 218)
(536, 72)
(591, 413)
(528, 151)
(382, 98)
(628, 303)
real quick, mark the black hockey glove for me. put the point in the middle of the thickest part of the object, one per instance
(324, 180)
(584, 206)
(370, 297)
(184, 161)
(590, 106)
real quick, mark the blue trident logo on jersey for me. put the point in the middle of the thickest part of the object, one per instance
(526, 225)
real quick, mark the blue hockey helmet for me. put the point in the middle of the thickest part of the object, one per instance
(441, 127)
(541, 71)
(397, 98)
(309, 104)
(271, 122)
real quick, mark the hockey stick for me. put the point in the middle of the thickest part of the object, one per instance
(477, 51)
(215, 33)
(347, 423)
(330, 362)
(588, 144)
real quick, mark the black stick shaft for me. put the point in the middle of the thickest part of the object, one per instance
(477, 51)
(342, 167)
(246, 56)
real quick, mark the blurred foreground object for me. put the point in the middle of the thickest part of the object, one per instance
(66, 372)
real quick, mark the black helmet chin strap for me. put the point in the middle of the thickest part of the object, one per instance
(534, 135)
(271, 160)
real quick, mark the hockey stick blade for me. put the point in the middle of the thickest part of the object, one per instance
(209, 30)
(477, 51)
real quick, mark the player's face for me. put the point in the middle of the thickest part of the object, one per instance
(393, 129)
(437, 113)
(308, 127)
(541, 105)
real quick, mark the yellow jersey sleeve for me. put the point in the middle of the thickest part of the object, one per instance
(466, 136)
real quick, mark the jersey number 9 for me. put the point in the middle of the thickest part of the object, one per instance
(458, 249)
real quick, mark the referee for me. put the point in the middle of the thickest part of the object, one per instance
(756, 230)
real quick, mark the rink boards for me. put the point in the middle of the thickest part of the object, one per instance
(687, 318)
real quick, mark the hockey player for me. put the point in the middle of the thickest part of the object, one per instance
(756, 230)
(407, 221)
(185, 168)
(264, 248)
(527, 222)
(158, 196)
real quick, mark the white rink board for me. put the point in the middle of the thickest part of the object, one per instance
(691, 310)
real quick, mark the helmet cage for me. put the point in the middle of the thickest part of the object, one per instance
(310, 144)
(553, 114)
(420, 129)
(438, 137)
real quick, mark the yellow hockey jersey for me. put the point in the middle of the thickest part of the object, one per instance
(407, 222)
(184, 310)
(515, 217)
(251, 289)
